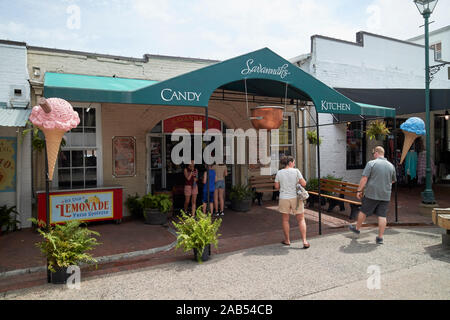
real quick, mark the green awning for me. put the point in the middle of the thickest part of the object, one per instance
(371, 110)
(84, 88)
(261, 72)
(10, 117)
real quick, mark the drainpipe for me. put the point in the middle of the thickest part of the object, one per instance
(18, 175)
(305, 149)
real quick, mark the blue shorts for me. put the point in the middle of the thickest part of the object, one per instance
(205, 196)
(220, 184)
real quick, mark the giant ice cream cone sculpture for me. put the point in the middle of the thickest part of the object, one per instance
(409, 139)
(54, 117)
(412, 128)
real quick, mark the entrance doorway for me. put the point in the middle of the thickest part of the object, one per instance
(442, 147)
(162, 173)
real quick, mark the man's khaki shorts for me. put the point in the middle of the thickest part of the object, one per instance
(289, 206)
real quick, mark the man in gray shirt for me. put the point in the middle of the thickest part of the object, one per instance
(377, 179)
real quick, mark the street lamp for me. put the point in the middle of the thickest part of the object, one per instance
(426, 8)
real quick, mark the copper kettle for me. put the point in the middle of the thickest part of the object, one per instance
(267, 117)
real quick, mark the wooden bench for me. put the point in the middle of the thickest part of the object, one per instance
(339, 189)
(261, 184)
(441, 218)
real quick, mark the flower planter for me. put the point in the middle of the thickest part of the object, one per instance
(60, 276)
(241, 205)
(154, 216)
(267, 117)
(313, 199)
(205, 255)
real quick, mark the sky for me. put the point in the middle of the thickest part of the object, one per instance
(208, 29)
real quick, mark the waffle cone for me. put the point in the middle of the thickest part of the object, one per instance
(409, 139)
(53, 139)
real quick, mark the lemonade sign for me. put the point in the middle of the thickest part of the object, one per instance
(8, 149)
(81, 206)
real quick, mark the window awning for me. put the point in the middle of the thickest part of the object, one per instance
(84, 88)
(261, 72)
(10, 117)
(377, 111)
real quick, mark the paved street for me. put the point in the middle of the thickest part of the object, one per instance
(412, 265)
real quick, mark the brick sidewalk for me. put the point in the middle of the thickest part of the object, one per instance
(240, 230)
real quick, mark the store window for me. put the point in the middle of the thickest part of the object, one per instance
(437, 50)
(78, 160)
(356, 145)
(286, 137)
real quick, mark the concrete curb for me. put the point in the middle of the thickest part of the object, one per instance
(103, 259)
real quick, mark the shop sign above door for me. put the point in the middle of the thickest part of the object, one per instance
(186, 121)
(168, 94)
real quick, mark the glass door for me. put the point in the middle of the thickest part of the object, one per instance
(156, 165)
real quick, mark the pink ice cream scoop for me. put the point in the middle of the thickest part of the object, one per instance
(54, 116)
(54, 113)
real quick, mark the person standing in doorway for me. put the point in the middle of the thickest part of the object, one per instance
(219, 192)
(190, 187)
(375, 191)
(212, 183)
(286, 181)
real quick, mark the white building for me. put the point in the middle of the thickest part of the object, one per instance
(381, 71)
(15, 152)
(439, 40)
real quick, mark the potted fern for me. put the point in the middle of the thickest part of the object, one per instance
(65, 245)
(8, 218)
(155, 208)
(134, 206)
(241, 197)
(377, 130)
(197, 233)
(312, 137)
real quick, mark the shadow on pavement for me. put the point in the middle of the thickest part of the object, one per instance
(359, 246)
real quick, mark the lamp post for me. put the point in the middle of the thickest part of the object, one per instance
(426, 7)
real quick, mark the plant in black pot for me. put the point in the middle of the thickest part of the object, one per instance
(197, 233)
(8, 218)
(241, 197)
(312, 137)
(134, 206)
(155, 208)
(377, 130)
(65, 245)
(313, 185)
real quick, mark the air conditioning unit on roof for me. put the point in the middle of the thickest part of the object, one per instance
(18, 97)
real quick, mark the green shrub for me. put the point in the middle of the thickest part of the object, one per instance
(377, 128)
(312, 137)
(8, 218)
(161, 202)
(313, 184)
(241, 192)
(134, 205)
(197, 232)
(65, 245)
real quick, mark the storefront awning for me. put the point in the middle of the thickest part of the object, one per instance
(10, 117)
(84, 88)
(261, 72)
(377, 111)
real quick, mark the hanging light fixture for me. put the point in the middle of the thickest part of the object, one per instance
(447, 115)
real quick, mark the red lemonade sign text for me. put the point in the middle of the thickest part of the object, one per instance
(81, 206)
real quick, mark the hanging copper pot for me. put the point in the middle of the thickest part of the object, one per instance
(267, 117)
